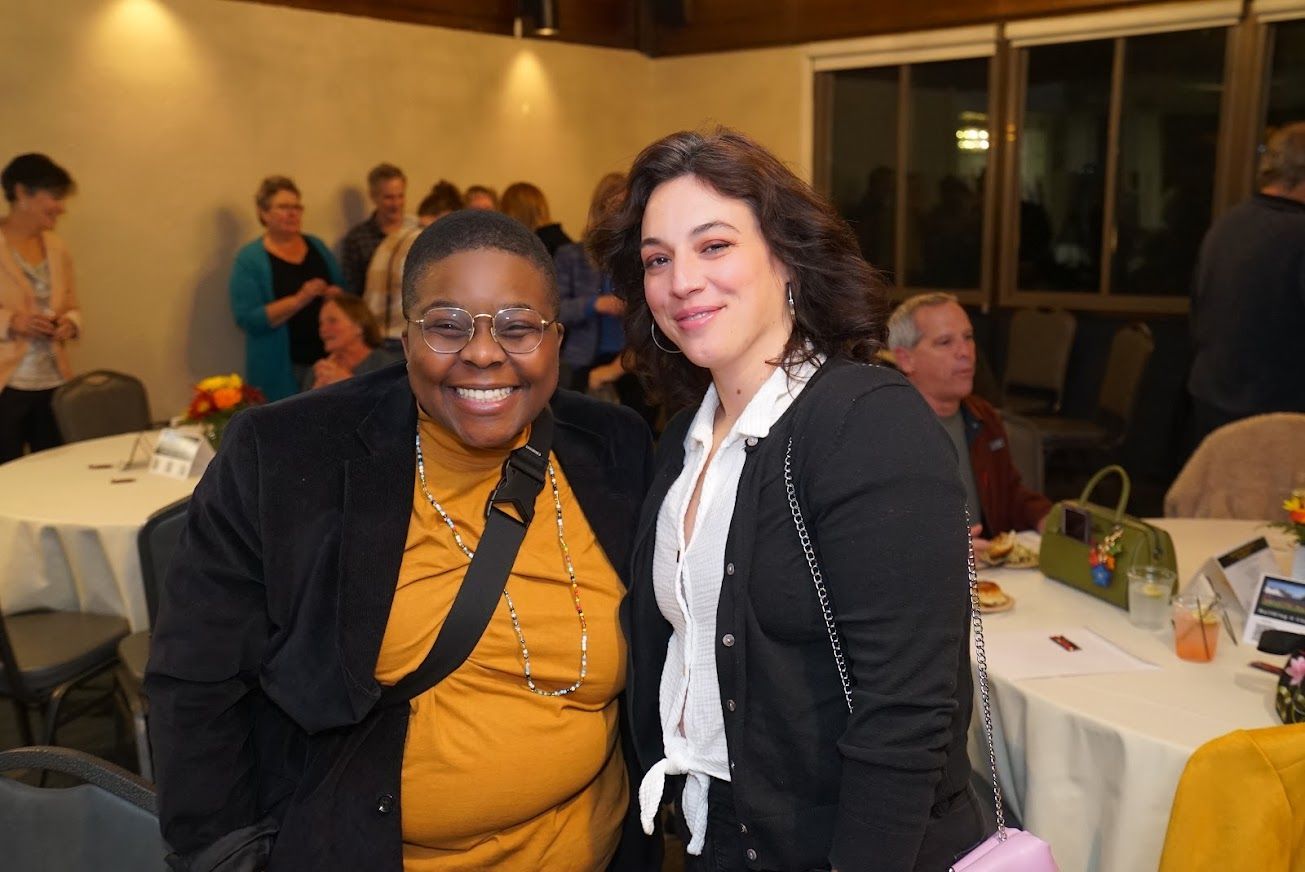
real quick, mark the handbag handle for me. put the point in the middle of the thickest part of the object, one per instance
(835, 642)
(1125, 487)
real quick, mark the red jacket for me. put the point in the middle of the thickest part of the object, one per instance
(1007, 503)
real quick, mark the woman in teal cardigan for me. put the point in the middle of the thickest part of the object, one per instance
(277, 286)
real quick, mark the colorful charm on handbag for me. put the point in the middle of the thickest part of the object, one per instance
(1102, 556)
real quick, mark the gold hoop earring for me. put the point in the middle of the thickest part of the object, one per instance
(652, 328)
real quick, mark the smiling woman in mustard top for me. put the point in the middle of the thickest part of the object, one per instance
(490, 770)
(322, 555)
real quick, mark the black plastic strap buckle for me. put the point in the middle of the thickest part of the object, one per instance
(524, 473)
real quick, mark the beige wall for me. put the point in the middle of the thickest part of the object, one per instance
(168, 112)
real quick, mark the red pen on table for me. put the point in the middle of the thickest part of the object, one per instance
(1064, 643)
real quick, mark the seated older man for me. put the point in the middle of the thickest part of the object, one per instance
(933, 343)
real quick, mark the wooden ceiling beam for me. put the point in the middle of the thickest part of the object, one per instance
(681, 27)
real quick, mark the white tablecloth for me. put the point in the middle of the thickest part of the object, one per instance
(68, 535)
(1090, 763)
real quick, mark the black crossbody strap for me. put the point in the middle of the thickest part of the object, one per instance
(523, 478)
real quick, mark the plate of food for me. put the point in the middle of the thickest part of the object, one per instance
(1008, 552)
(992, 598)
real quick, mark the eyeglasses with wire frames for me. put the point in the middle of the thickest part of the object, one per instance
(448, 329)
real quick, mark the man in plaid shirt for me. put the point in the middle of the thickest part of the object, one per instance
(386, 185)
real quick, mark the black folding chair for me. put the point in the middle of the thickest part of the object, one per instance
(156, 543)
(108, 823)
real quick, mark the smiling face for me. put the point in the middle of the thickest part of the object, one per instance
(43, 207)
(712, 284)
(284, 214)
(338, 330)
(482, 394)
(941, 365)
(388, 197)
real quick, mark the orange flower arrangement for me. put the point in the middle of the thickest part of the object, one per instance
(218, 398)
(1294, 506)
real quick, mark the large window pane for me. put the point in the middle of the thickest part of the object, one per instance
(863, 159)
(946, 161)
(1062, 166)
(1169, 128)
(1287, 74)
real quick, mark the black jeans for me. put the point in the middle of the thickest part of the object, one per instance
(723, 851)
(726, 851)
(26, 418)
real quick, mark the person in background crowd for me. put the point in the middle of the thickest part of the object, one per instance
(322, 555)
(38, 303)
(387, 188)
(481, 197)
(591, 355)
(932, 342)
(526, 203)
(352, 341)
(384, 292)
(590, 311)
(276, 287)
(747, 296)
(1248, 306)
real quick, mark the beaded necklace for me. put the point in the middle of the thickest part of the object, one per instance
(512, 609)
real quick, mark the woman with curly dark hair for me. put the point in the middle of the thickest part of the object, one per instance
(747, 298)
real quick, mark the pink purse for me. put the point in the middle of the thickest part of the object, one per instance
(1017, 852)
(1008, 849)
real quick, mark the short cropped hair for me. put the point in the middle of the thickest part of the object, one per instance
(35, 172)
(444, 197)
(482, 190)
(270, 187)
(903, 332)
(1283, 160)
(474, 230)
(383, 172)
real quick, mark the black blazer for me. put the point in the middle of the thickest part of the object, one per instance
(886, 788)
(270, 623)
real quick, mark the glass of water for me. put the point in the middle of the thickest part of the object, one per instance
(1149, 589)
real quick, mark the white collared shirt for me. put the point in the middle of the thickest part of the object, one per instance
(687, 576)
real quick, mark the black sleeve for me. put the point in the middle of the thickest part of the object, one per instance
(887, 511)
(205, 650)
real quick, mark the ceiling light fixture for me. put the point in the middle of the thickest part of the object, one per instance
(542, 15)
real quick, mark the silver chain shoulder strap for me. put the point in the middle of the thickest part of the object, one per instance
(976, 618)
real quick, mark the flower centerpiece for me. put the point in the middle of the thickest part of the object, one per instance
(1294, 526)
(217, 399)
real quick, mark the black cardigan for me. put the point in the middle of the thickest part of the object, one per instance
(883, 789)
(261, 667)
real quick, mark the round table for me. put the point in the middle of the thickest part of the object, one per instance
(1090, 762)
(69, 517)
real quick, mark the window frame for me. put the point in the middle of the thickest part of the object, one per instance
(902, 51)
(1020, 37)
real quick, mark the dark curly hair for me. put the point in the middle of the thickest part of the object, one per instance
(840, 302)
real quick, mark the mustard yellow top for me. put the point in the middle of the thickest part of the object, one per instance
(495, 776)
(1240, 805)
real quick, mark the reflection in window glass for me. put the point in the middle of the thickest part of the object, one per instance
(1062, 166)
(946, 161)
(1287, 76)
(863, 159)
(1169, 127)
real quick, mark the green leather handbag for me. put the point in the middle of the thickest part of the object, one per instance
(1091, 547)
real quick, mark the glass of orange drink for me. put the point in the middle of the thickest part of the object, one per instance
(1197, 620)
